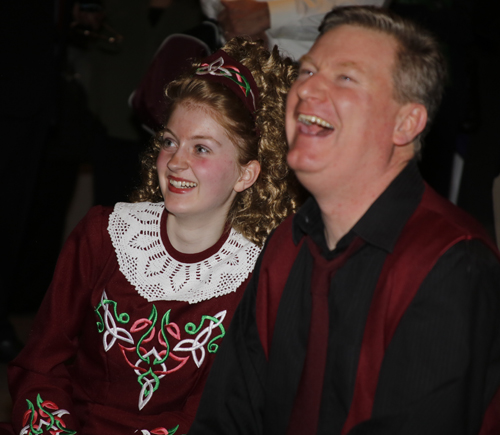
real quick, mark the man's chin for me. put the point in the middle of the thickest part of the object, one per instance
(301, 160)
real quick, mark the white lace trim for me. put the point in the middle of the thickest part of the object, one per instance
(146, 264)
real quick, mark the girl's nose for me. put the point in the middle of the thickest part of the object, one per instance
(179, 161)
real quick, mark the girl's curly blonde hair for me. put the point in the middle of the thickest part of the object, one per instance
(259, 209)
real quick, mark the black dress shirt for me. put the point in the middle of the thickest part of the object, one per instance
(439, 372)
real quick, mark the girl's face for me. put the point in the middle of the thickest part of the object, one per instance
(198, 167)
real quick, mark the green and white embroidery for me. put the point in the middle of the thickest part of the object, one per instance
(148, 351)
(45, 418)
(160, 431)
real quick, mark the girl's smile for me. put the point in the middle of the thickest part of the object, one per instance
(198, 166)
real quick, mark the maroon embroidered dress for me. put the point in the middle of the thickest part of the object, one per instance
(128, 331)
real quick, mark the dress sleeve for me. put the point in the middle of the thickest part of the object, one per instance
(441, 369)
(38, 378)
(232, 400)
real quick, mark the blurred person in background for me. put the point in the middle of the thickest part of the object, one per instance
(291, 24)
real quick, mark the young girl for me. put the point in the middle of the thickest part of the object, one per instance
(143, 294)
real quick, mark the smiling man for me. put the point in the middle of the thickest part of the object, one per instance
(376, 308)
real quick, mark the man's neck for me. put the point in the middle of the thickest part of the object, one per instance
(342, 207)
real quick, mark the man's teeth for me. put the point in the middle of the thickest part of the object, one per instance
(311, 119)
(182, 184)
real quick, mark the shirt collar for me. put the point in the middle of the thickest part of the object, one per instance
(383, 221)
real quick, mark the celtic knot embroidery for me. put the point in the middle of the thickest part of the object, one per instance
(160, 431)
(147, 351)
(197, 345)
(108, 324)
(47, 420)
(217, 68)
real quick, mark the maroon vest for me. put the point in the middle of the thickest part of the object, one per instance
(435, 226)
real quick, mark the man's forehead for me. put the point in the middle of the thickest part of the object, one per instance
(352, 64)
(306, 58)
(358, 47)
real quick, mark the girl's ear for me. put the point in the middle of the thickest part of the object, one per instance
(410, 122)
(249, 174)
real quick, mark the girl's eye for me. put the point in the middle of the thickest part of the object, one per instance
(200, 149)
(346, 78)
(167, 143)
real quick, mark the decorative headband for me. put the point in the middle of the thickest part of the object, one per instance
(222, 68)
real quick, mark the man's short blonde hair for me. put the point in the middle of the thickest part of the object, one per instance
(420, 68)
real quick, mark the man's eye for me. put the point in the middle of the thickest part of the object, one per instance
(305, 72)
(346, 78)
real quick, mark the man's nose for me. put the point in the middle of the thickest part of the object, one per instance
(313, 87)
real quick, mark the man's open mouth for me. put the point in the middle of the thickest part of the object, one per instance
(314, 125)
(312, 119)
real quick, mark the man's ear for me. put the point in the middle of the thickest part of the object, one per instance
(410, 122)
(249, 174)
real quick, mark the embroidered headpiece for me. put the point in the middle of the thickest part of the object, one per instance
(222, 68)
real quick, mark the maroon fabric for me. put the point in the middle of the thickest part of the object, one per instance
(430, 236)
(491, 420)
(65, 361)
(173, 57)
(6, 429)
(222, 68)
(281, 253)
(307, 402)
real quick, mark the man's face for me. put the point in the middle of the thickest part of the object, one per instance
(341, 113)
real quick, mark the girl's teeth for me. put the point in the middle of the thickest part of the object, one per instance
(182, 184)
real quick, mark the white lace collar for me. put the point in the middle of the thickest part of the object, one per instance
(156, 275)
